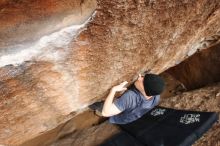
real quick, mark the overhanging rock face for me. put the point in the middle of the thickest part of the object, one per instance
(120, 40)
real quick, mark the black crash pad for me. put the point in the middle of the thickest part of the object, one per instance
(165, 127)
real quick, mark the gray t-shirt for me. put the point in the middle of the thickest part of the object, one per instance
(133, 105)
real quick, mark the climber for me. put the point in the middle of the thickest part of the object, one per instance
(142, 96)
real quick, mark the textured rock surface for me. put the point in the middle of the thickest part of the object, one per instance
(204, 99)
(131, 37)
(25, 20)
(122, 39)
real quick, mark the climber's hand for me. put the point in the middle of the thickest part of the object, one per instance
(120, 87)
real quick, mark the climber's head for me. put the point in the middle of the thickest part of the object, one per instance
(150, 84)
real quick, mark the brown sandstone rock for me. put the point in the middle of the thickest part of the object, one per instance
(27, 20)
(122, 39)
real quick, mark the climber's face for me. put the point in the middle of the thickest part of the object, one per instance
(139, 84)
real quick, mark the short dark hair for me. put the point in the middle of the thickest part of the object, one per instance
(153, 84)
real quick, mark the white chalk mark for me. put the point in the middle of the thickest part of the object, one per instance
(52, 47)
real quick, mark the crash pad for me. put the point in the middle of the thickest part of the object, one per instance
(165, 127)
